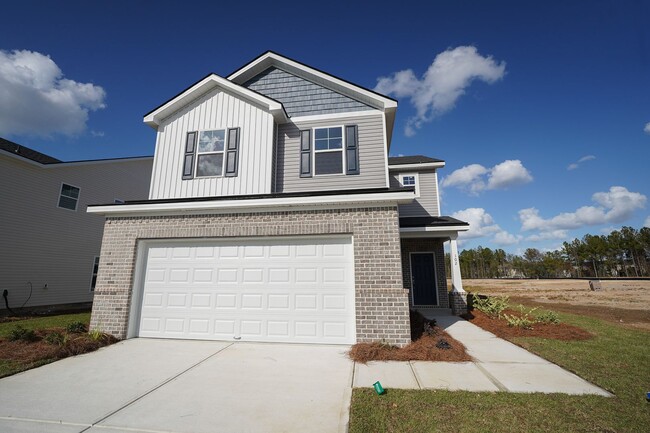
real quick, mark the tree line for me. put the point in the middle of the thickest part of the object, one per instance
(622, 253)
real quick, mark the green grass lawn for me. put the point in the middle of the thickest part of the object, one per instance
(9, 367)
(617, 359)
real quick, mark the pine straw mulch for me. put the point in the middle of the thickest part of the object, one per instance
(430, 343)
(500, 328)
(28, 352)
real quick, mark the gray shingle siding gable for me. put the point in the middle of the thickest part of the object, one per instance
(301, 97)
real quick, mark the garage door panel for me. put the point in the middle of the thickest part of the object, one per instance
(286, 290)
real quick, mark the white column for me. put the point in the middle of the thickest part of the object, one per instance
(456, 280)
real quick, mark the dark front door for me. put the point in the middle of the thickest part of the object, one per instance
(423, 279)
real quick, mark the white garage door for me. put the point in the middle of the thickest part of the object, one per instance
(284, 290)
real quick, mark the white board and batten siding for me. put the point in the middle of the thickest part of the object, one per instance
(427, 203)
(372, 155)
(297, 290)
(214, 110)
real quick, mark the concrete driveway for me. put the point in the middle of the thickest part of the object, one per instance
(146, 385)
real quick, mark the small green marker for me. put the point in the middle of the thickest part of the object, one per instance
(378, 388)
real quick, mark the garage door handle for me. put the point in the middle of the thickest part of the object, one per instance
(237, 338)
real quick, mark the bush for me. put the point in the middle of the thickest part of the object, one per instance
(55, 338)
(493, 306)
(21, 334)
(548, 317)
(519, 321)
(76, 328)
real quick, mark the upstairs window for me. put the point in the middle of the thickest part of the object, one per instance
(408, 180)
(328, 150)
(69, 197)
(210, 153)
(213, 153)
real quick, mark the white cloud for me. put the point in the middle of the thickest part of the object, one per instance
(646, 128)
(475, 178)
(481, 225)
(38, 100)
(446, 79)
(97, 133)
(576, 164)
(548, 235)
(616, 206)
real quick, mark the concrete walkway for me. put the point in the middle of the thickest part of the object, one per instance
(498, 366)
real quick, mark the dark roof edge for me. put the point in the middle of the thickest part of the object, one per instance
(265, 196)
(431, 221)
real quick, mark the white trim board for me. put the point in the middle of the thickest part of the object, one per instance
(253, 205)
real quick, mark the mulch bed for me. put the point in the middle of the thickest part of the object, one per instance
(500, 328)
(430, 343)
(33, 351)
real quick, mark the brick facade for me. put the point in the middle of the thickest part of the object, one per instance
(381, 302)
(434, 245)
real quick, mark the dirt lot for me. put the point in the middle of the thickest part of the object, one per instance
(624, 302)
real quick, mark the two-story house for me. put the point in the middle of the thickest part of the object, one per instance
(49, 245)
(275, 214)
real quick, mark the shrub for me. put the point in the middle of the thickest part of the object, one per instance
(548, 317)
(95, 334)
(55, 338)
(21, 334)
(76, 327)
(493, 306)
(519, 321)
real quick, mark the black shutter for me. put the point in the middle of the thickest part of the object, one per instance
(305, 153)
(190, 150)
(232, 152)
(352, 149)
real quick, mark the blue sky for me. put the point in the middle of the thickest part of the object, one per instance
(516, 94)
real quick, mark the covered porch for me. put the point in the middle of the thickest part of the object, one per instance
(423, 264)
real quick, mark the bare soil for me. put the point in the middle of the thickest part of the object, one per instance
(430, 343)
(500, 328)
(625, 302)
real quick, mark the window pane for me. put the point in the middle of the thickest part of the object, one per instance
(67, 202)
(321, 144)
(336, 132)
(70, 191)
(210, 165)
(212, 141)
(408, 180)
(336, 143)
(320, 133)
(329, 162)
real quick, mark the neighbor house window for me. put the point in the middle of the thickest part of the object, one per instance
(210, 153)
(93, 281)
(328, 150)
(410, 179)
(69, 197)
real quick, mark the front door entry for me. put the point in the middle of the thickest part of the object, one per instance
(423, 279)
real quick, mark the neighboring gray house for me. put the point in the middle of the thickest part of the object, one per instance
(49, 245)
(275, 214)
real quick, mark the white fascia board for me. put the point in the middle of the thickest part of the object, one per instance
(450, 232)
(416, 167)
(334, 116)
(252, 205)
(273, 59)
(154, 118)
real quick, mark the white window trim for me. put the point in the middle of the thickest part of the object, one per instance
(58, 198)
(93, 274)
(417, 181)
(198, 153)
(342, 150)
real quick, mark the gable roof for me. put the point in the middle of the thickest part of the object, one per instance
(414, 159)
(211, 81)
(26, 152)
(271, 58)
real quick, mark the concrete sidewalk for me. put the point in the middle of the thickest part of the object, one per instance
(498, 366)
